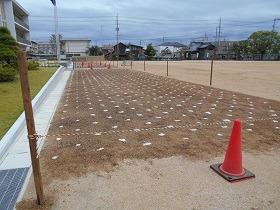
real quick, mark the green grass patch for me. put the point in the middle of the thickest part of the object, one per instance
(11, 100)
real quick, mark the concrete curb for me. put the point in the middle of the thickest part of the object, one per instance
(9, 138)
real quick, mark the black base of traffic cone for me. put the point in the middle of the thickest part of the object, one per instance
(247, 174)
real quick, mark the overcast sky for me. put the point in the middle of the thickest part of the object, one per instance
(148, 21)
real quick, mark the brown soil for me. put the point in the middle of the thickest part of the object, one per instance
(161, 111)
(257, 78)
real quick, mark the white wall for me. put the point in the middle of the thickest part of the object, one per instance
(8, 7)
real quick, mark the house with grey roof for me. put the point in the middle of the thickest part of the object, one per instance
(200, 51)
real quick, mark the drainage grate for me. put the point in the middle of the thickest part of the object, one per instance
(11, 182)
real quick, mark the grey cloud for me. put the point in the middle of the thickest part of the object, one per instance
(150, 20)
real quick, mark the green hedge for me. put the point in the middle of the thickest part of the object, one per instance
(33, 65)
(7, 73)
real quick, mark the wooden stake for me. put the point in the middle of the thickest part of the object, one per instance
(131, 64)
(32, 136)
(211, 73)
(167, 69)
(144, 65)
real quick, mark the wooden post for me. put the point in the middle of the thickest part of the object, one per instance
(144, 65)
(32, 136)
(211, 73)
(131, 64)
(167, 69)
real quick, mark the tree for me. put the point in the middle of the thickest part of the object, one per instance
(8, 55)
(8, 48)
(264, 42)
(53, 41)
(241, 48)
(94, 51)
(150, 52)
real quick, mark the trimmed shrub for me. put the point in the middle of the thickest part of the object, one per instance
(8, 48)
(33, 65)
(7, 73)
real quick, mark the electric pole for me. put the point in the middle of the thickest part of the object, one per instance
(274, 23)
(117, 29)
(219, 31)
(205, 37)
(216, 34)
(56, 33)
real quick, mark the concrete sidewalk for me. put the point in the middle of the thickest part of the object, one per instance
(16, 162)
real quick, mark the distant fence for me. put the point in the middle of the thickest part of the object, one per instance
(88, 58)
(48, 63)
(93, 64)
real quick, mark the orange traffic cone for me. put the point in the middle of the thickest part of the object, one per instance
(232, 169)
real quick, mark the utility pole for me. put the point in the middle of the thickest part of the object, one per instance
(216, 34)
(274, 23)
(56, 33)
(117, 29)
(219, 32)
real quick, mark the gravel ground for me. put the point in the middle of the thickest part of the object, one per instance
(113, 123)
(257, 78)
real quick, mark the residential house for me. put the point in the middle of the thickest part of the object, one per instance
(74, 47)
(128, 51)
(15, 18)
(170, 50)
(120, 51)
(200, 51)
(107, 49)
(224, 50)
(135, 52)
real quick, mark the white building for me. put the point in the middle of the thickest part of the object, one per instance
(15, 18)
(74, 47)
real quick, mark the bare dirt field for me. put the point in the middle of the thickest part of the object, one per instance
(257, 78)
(124, 139)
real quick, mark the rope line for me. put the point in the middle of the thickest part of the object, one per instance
(156, 128)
